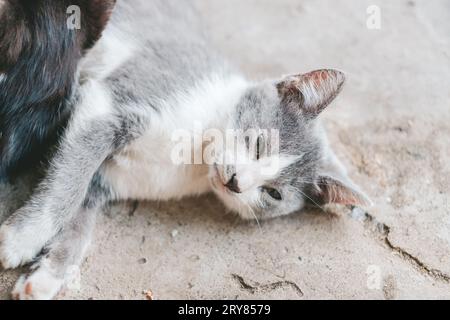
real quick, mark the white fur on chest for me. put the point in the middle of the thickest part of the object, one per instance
(145, 169)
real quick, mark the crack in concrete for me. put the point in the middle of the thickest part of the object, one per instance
(384, 231)
(266, 287)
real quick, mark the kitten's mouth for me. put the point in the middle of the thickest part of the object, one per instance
(217, 182)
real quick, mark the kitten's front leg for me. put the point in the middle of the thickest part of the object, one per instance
(88, 141)
(60, 265)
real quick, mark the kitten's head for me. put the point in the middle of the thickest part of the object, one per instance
(280, 159)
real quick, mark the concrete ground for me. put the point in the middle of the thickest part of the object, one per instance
(390, 126)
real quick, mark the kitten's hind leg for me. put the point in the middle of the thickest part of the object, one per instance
(59, 267)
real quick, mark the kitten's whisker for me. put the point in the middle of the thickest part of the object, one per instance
(256, 218)
(314, 202)
(249, 209)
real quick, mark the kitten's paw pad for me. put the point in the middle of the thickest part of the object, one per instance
(16, 249)
(41, 285)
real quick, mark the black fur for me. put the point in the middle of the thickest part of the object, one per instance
(39, 56)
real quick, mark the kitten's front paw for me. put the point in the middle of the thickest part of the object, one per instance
(41, 285)
(16, 248)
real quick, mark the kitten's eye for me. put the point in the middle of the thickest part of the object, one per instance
(259, 147)
(273, 193)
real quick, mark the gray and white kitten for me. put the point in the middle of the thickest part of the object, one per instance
(153, 73)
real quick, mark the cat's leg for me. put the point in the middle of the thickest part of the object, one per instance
(89, 140)
(59, 266)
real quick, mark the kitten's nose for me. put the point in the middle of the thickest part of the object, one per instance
(232, 185)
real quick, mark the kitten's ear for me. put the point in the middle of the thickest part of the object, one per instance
(333, 185)
(329, 189)
(96, 15)
(311, 93)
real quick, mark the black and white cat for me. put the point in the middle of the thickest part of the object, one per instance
(151, 74)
